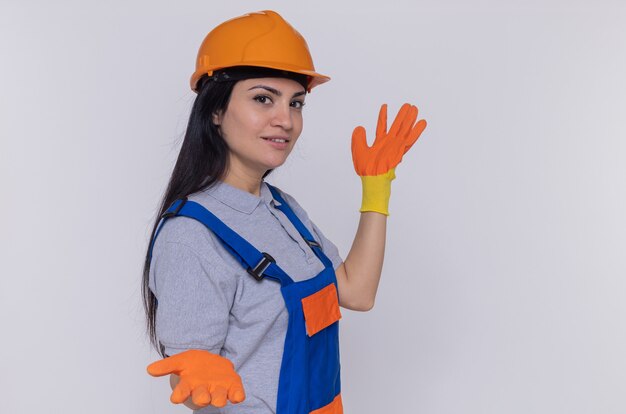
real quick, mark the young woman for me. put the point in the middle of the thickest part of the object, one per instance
(242, 291)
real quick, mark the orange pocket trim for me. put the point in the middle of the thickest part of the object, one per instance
(335, 407)
(321, 309)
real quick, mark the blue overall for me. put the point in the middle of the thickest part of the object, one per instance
(309, 379)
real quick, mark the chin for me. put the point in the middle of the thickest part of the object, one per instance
(270, 165)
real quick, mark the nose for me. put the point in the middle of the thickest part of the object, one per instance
(281, 116)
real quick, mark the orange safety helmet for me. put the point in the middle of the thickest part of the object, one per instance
(262, 39)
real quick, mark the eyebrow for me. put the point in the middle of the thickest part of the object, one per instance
(275, 91)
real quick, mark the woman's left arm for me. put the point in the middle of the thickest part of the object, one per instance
(358, 276)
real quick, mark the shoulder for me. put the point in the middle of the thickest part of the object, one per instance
(191, 232)
(293, 203)
(183, 234)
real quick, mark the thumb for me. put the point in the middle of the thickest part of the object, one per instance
(359, 146)
(165, 366)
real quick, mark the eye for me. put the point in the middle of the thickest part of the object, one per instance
(297, 104)
(263, 99)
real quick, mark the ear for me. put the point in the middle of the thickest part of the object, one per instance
(216, 118)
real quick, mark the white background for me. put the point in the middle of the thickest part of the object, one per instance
(503, 289)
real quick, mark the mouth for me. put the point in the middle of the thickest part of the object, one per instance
(280, 140)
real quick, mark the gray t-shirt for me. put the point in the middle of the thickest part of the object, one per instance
(207, 300)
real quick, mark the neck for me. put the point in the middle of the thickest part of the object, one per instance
(246, 182)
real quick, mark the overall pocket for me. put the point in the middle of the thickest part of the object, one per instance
(321, 309)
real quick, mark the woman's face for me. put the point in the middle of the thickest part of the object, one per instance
(261, 123)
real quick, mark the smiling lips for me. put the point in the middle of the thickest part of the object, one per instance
(276, 139)
(277, 142)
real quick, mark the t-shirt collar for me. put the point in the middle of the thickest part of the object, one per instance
(241, 200)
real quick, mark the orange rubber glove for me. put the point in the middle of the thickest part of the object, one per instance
(208, 378)
(376, 164)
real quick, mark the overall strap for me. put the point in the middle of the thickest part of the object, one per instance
(297, 223)
(258, 264)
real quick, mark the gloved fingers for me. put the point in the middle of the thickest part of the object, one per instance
(181, 392)
(200, 396)
(415, 134)
(397, 123)
(408, 121)
(381, 126)
(236, 394)
(218, 395)
(390, 154)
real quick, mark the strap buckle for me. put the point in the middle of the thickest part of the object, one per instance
(168, 214)
(257, 271)
(312, 243)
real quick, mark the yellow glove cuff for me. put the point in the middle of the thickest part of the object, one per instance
(376, 192)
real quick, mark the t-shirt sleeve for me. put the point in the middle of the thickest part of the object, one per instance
(328, 247)
(194, 299)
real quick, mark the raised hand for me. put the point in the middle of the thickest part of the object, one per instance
(376, 164)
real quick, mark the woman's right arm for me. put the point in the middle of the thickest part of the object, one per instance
(187, 283)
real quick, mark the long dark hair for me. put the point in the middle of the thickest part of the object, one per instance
(203, 160)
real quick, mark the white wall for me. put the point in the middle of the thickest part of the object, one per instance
(504, 281)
